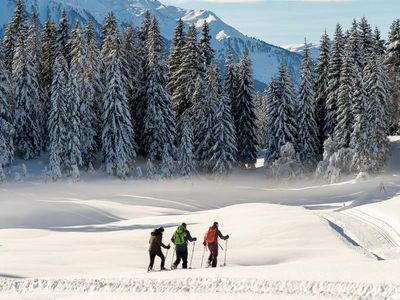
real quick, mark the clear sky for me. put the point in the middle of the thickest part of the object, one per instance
(283, 22)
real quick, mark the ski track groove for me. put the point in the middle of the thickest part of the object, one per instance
(376, 224)
(346, 290)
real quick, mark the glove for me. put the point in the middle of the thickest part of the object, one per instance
(169, 247)
(204, 243)
(227, 237)
(194, 239)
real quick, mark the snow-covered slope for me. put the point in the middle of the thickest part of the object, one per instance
(265, 57)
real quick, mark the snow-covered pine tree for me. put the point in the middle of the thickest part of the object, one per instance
(271, 98)
(247, 142)
(151, 171)
(186, 165)
(335, 64)
(47, 58)
(6, 123)
(206, 51)
(379, 43)
(321, 86)
(58, 118)
(133, 69)
(109, 29)
(231, 83)
(287, 166)
(92, 95)
(74, 105)
(118, 137)
(27, 138)
(62, 41)
(85, 119)
(159, 119)
(261, 117)
(392, 62)
(223, 151)
(377, 110)
(176, 55)
(308, 142)
(14, 27)
(202, 123)
(366, 40)
(141, 105)
(187, 74)
(345, 100)
(167, 163)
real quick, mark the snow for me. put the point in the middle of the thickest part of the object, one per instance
(221, 35)
(89, 240)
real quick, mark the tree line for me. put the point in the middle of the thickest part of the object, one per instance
(109, 102)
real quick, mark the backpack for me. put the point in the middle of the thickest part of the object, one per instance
(211, 235)
(180, 236)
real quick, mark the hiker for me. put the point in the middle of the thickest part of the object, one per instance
(181, 238)
(155, 248)
(211, 239)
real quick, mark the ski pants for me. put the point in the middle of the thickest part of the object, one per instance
(153, 255)
(212, 259)
(181, 255)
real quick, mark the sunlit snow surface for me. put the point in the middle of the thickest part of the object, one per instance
(303, 240)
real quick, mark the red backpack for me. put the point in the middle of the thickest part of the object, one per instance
(211, 235)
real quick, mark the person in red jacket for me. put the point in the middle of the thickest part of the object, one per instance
(211, 239)
(155, 248)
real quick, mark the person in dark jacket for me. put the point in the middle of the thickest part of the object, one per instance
(155, 248)
(211, 239)
(181, 238)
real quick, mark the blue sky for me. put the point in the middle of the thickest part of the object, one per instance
(283, 22)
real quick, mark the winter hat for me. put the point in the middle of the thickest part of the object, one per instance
(215, 224)
(184, 225)
(161, 229)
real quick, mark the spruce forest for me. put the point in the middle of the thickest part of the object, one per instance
(117, 102)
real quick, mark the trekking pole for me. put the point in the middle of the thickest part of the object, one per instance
(220, 246)
(226, 250)
(191, 259)
(202, 258)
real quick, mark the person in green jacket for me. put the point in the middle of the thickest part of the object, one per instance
(181, 238)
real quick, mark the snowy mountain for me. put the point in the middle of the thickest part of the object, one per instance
(299, 49)
(265, 57)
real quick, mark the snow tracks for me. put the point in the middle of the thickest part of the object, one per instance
(342, 290)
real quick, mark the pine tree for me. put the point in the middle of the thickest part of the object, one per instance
(282, 119)
(377, 111)
(186, 149)
(308, 131)
(27, 128)
(109, 30)
(6, 125)
(261, 117)
(159, 121)
(335, 64)
(392, 62)
(92, 95)
(58, 118)
(133, 70)
(366, 40)
(186, 76)
(345, 99)
(247, 147)
(224, 149)
(206, 51)
(176, 55)
(321, 86)
(118, 136)
(167, 163)
(11, 33)
(231, 84)
(62, 41)
(379, 43)
(47, 58)
(141, 104)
